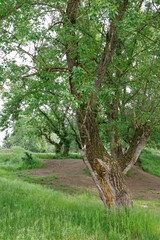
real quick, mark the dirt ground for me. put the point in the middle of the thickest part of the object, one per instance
(70, 172)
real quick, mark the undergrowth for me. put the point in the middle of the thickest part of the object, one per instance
(18, 158)
(32, 212)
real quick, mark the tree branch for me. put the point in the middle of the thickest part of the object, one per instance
(111, 41)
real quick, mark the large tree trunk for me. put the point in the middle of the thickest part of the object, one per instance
(105, 170)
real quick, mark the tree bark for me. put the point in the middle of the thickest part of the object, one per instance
(138, 142)
(105, 170)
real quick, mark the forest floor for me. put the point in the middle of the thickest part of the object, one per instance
(71, 175)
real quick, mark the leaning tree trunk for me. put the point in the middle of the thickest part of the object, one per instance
(105, 170)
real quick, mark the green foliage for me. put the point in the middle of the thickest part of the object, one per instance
(29, 211)
(28, 158)
(24, 134)
(130, 79)
(86, 171)
(18, 159)
(150, 160)
(154, 141)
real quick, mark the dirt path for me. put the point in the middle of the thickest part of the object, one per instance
(69, 172)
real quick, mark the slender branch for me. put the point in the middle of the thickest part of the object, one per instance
(57, 69)
(47, 137)
(32, 74)
(50, 121)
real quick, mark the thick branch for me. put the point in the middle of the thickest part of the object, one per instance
(111, 41)
(48, 137)
(139, 139)
(50, 121)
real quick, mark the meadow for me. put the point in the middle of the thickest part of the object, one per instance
(34, 212)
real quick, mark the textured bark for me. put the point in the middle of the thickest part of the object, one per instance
(105, 170)
(139, 140)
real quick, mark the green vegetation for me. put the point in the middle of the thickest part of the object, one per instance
(27, 177)
(56, 156)
(33, 212)
(30, 211)
(130, 173)
(18, 158)
(86, 171)
(150, 160)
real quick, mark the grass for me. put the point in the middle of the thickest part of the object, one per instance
(18, 158)
(153, 204)
(130, 173)
(86, 171)
(56, 156)
(34, 212)
(148, 189)
(27, 177)
(150, 160)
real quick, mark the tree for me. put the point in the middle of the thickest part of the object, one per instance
(25, 135)
(48, 106)
(100, 50)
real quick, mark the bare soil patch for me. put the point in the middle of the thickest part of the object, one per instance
(70, 173)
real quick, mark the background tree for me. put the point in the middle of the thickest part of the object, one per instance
(47, 104)
(25, 135)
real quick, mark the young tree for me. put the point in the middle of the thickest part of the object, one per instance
(100, 49)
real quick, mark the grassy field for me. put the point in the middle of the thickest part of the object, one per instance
(18, 158)
(56, 156)
(150, 160)
(31, 211)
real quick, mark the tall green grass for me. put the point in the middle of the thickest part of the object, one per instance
(56, 156)
(32, 212)
(16, 158)
(150, 160)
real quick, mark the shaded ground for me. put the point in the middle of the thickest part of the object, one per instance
(69, 174)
